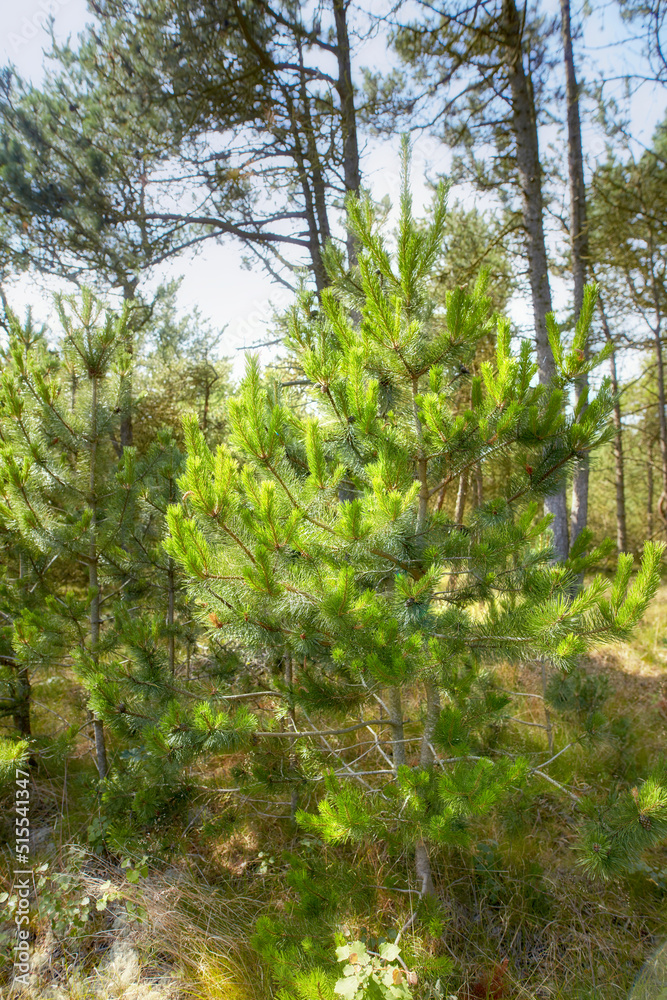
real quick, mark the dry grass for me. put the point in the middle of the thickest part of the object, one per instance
(588, 940)
(180, 938)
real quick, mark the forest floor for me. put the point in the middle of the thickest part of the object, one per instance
(222, 903)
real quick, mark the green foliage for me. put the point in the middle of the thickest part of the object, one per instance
(632, 821)
(316, 983)
(83, 519)
(371, 975)
(314, 538)
(13, 755)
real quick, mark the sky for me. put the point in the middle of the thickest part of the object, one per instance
(215, 280)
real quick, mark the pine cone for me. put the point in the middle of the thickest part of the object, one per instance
(645, 820)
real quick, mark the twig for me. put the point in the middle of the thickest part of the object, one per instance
(575, 798)
(522, 722)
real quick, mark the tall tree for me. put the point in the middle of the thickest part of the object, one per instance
(62, 492)
(229, 102)
(619, 462)
(22, 589)
(628, 227)
(66, 184)
(180, 369)
(578, 245)
(352, 590)
(482, 61)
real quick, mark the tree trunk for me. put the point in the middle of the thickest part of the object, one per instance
(461, 497)
(422, 857)
(619, 466)
(396, 722)
(432, 716)
(649, 491)
(579, 247)
(126, 428)
(479, 485)
(344, 86)
(21, 713)
(524, 127)
(423, 869)
(308, 200)
(662, 424)
(656, 329)
(93, 579)
(171, 607)
(289, 684)
(318, 182)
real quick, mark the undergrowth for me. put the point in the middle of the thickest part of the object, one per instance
(215, 899)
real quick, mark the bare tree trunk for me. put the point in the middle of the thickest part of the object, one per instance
(423, 869)
(422, 857)
(395, 707)
(289, 683)
(479, 485)
(524, 127)
(309, 204)
(662, 424)
(93, 579)
(649, 491)
(318, 181)
(126, 427)
(22, 694)
(579, 247)
(459, 508)
(171, 607)
(619, 466)
(461, 497)
(344, 86)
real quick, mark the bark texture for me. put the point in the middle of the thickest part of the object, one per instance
(422, 856)
(578, 247)
(395, 706)
(619, 464)
(93, 577)
(524, 128)
(649, 491)
(662, 424)
(22, 702)
(126, 425)
(289, 684)
(344, 86)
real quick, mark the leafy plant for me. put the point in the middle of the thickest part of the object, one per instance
(372, 975)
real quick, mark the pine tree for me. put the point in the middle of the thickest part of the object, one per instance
(489, 64)
(81, 159)
(180, 369)
(315, 538)
(629, 246)
(66, 496)
(22, 590)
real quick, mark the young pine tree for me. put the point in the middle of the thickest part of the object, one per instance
(317, 539)
(66, 498)
(22, 589)
(89, 583)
